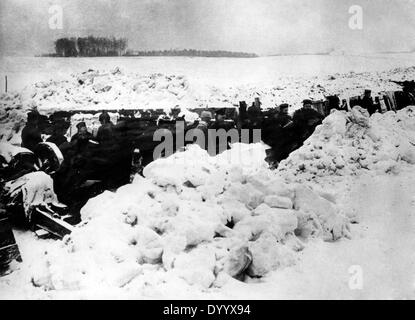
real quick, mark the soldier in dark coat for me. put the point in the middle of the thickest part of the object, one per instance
(58, 135)
(333, 102)
(283, 118)
(367, 102)
(82, 132)
(306, 119)
(31, 134)
(106, 130)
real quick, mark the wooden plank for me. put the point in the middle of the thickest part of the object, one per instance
(46, 221)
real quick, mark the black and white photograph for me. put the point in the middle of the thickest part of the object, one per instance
(207, 150)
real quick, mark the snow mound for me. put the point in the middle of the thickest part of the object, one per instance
(193, 217)
(8, 151)
(116, 89)
(36, 189)
(94, 90)
(351, 143)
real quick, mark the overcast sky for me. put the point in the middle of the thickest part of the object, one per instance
(260, 26)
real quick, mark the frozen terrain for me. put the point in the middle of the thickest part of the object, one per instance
(229, 72)
(293, 228)
(340, 207)
(52, 84)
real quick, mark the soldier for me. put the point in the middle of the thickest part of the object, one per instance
(105, 131)
(206, 119)
(306, 119)
(58, 135)
(31, 134)
(367, 102)
(220, 120)
(283, 119)
(82, 132)
(333, 103)
(201, 137)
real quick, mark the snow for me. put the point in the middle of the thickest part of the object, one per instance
(178, 224)
(294, 232)
(382, 246)
(128, 83)
(8, 151)
(348, 143)
(36, 189)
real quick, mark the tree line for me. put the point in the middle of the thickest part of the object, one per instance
(103, 46)
(90, 47)
(190, 53)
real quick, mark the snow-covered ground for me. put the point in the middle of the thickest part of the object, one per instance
(229, 72)
(381, 248)
(52, 84)
(382, 245)
(167, 231)
(335, 220)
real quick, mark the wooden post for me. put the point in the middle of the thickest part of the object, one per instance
(5, 83)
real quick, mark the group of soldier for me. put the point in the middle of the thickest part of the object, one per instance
(32, 133)
(108, 155)
(280, 130)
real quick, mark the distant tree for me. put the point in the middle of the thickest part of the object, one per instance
(90, 46)
(192, 53)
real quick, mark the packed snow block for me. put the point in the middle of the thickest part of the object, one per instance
(277, 186)
(196, 266)
(384, 166)
(198, 222)
(268, 255)
(328, 195)
(334, 124)
(407, 152)
(245, 193)
(124, 274)
(212, 188)
(278, 202)
(234, 210)
(234, 174)
(249, 157)
(237, 261)
(101, 87)
(149, 244)
(174, 244)
(180, 168)
(359, 116)
(333, 224)
(277, 222)
(259, 182)
(308, 225)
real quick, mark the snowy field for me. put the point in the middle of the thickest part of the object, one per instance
(336, 219)
(382, 245)
(52, 84)
(229, 72)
